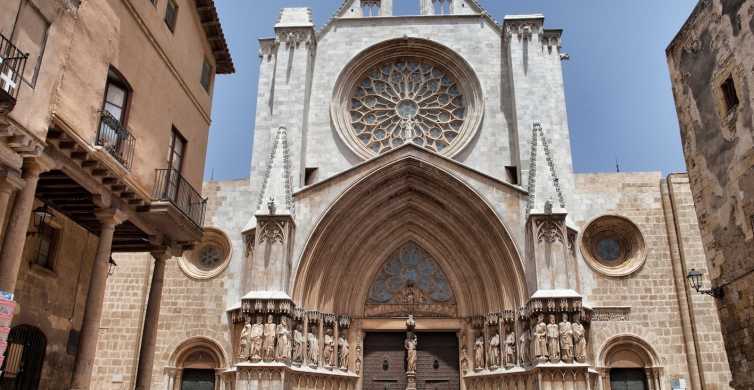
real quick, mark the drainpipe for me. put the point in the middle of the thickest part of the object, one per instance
(688, 323)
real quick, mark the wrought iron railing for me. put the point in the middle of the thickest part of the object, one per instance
(116, 139)
(12, 67)
(170, 186)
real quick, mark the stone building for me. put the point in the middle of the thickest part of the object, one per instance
(104, 116)
(412, 220)
(711, 61)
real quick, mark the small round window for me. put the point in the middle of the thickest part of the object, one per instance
(613, 245)
(209, 258)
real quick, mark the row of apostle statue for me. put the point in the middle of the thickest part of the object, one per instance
(552, 342)
(272, 342)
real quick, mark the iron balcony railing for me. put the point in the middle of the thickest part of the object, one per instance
(12, 67)
(116, 139)
(170, 186)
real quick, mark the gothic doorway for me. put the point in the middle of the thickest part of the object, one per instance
(385, 361)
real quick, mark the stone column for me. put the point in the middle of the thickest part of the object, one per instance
(15, 236)
(151, 318)
(10, 181)
(94, 299)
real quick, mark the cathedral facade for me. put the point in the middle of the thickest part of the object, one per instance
(412, 220)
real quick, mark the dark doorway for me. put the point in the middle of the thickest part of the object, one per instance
(24, 358)
(436, 366)
(196, 379)
(628, 379)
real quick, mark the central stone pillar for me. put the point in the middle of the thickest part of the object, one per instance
(151, 319)
(94, 300)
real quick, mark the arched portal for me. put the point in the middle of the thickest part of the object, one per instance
(197, 364)
(410, 200)
(629, 362)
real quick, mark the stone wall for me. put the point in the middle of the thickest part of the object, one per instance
(714, 46)
(657, 294)
(53, 300)
(190, 308)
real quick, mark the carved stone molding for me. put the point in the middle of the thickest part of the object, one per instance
(294, 37)
(611, 313)
(272, 231)
(549, 230)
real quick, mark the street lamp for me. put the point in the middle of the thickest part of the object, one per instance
(42, 216)
(695, 280)
(111, 265)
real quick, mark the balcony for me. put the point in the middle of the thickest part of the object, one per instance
(171, 187)
(116, 139)
(12, 66)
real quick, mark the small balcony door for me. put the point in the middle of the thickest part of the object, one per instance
(175, 165)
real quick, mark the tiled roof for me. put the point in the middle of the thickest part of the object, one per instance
(211, 23)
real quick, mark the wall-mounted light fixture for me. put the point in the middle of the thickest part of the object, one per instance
(111, 264)
(42, 216)
(695, 280)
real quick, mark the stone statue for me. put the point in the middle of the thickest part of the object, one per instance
(540, 339)
(510, 349)
(299, 345)
(553, 335)
(524, 346)
(245, 341)
(257, 334)
(269, 338)
(328, 351)
(493, 355)
(464, 360)
(283, 347)
(479, 353)
(410, 344)
(566, 340)
(579, 340)
(357, 365)
(312, 349)
(344, 351)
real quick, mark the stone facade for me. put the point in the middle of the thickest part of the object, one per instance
(329, 246)
(710, 65)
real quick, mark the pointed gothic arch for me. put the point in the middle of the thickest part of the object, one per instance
(411, 199)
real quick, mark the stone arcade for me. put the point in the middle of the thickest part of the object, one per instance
(412, 220)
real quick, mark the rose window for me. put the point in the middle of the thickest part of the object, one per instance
(407, 100)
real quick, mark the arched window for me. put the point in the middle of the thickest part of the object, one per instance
(24, 358)
(197, 364)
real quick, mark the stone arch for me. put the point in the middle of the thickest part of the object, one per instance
(628, 351)
(410, 199)
(215, 353)
(632, 349)
(197, 355)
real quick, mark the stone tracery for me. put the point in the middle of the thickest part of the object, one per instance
(407, 100)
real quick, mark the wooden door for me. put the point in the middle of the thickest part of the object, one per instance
(628, 379)
(436, 366)
(384, 361)
(437, 361)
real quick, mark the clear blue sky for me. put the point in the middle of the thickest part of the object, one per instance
(620, 103)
